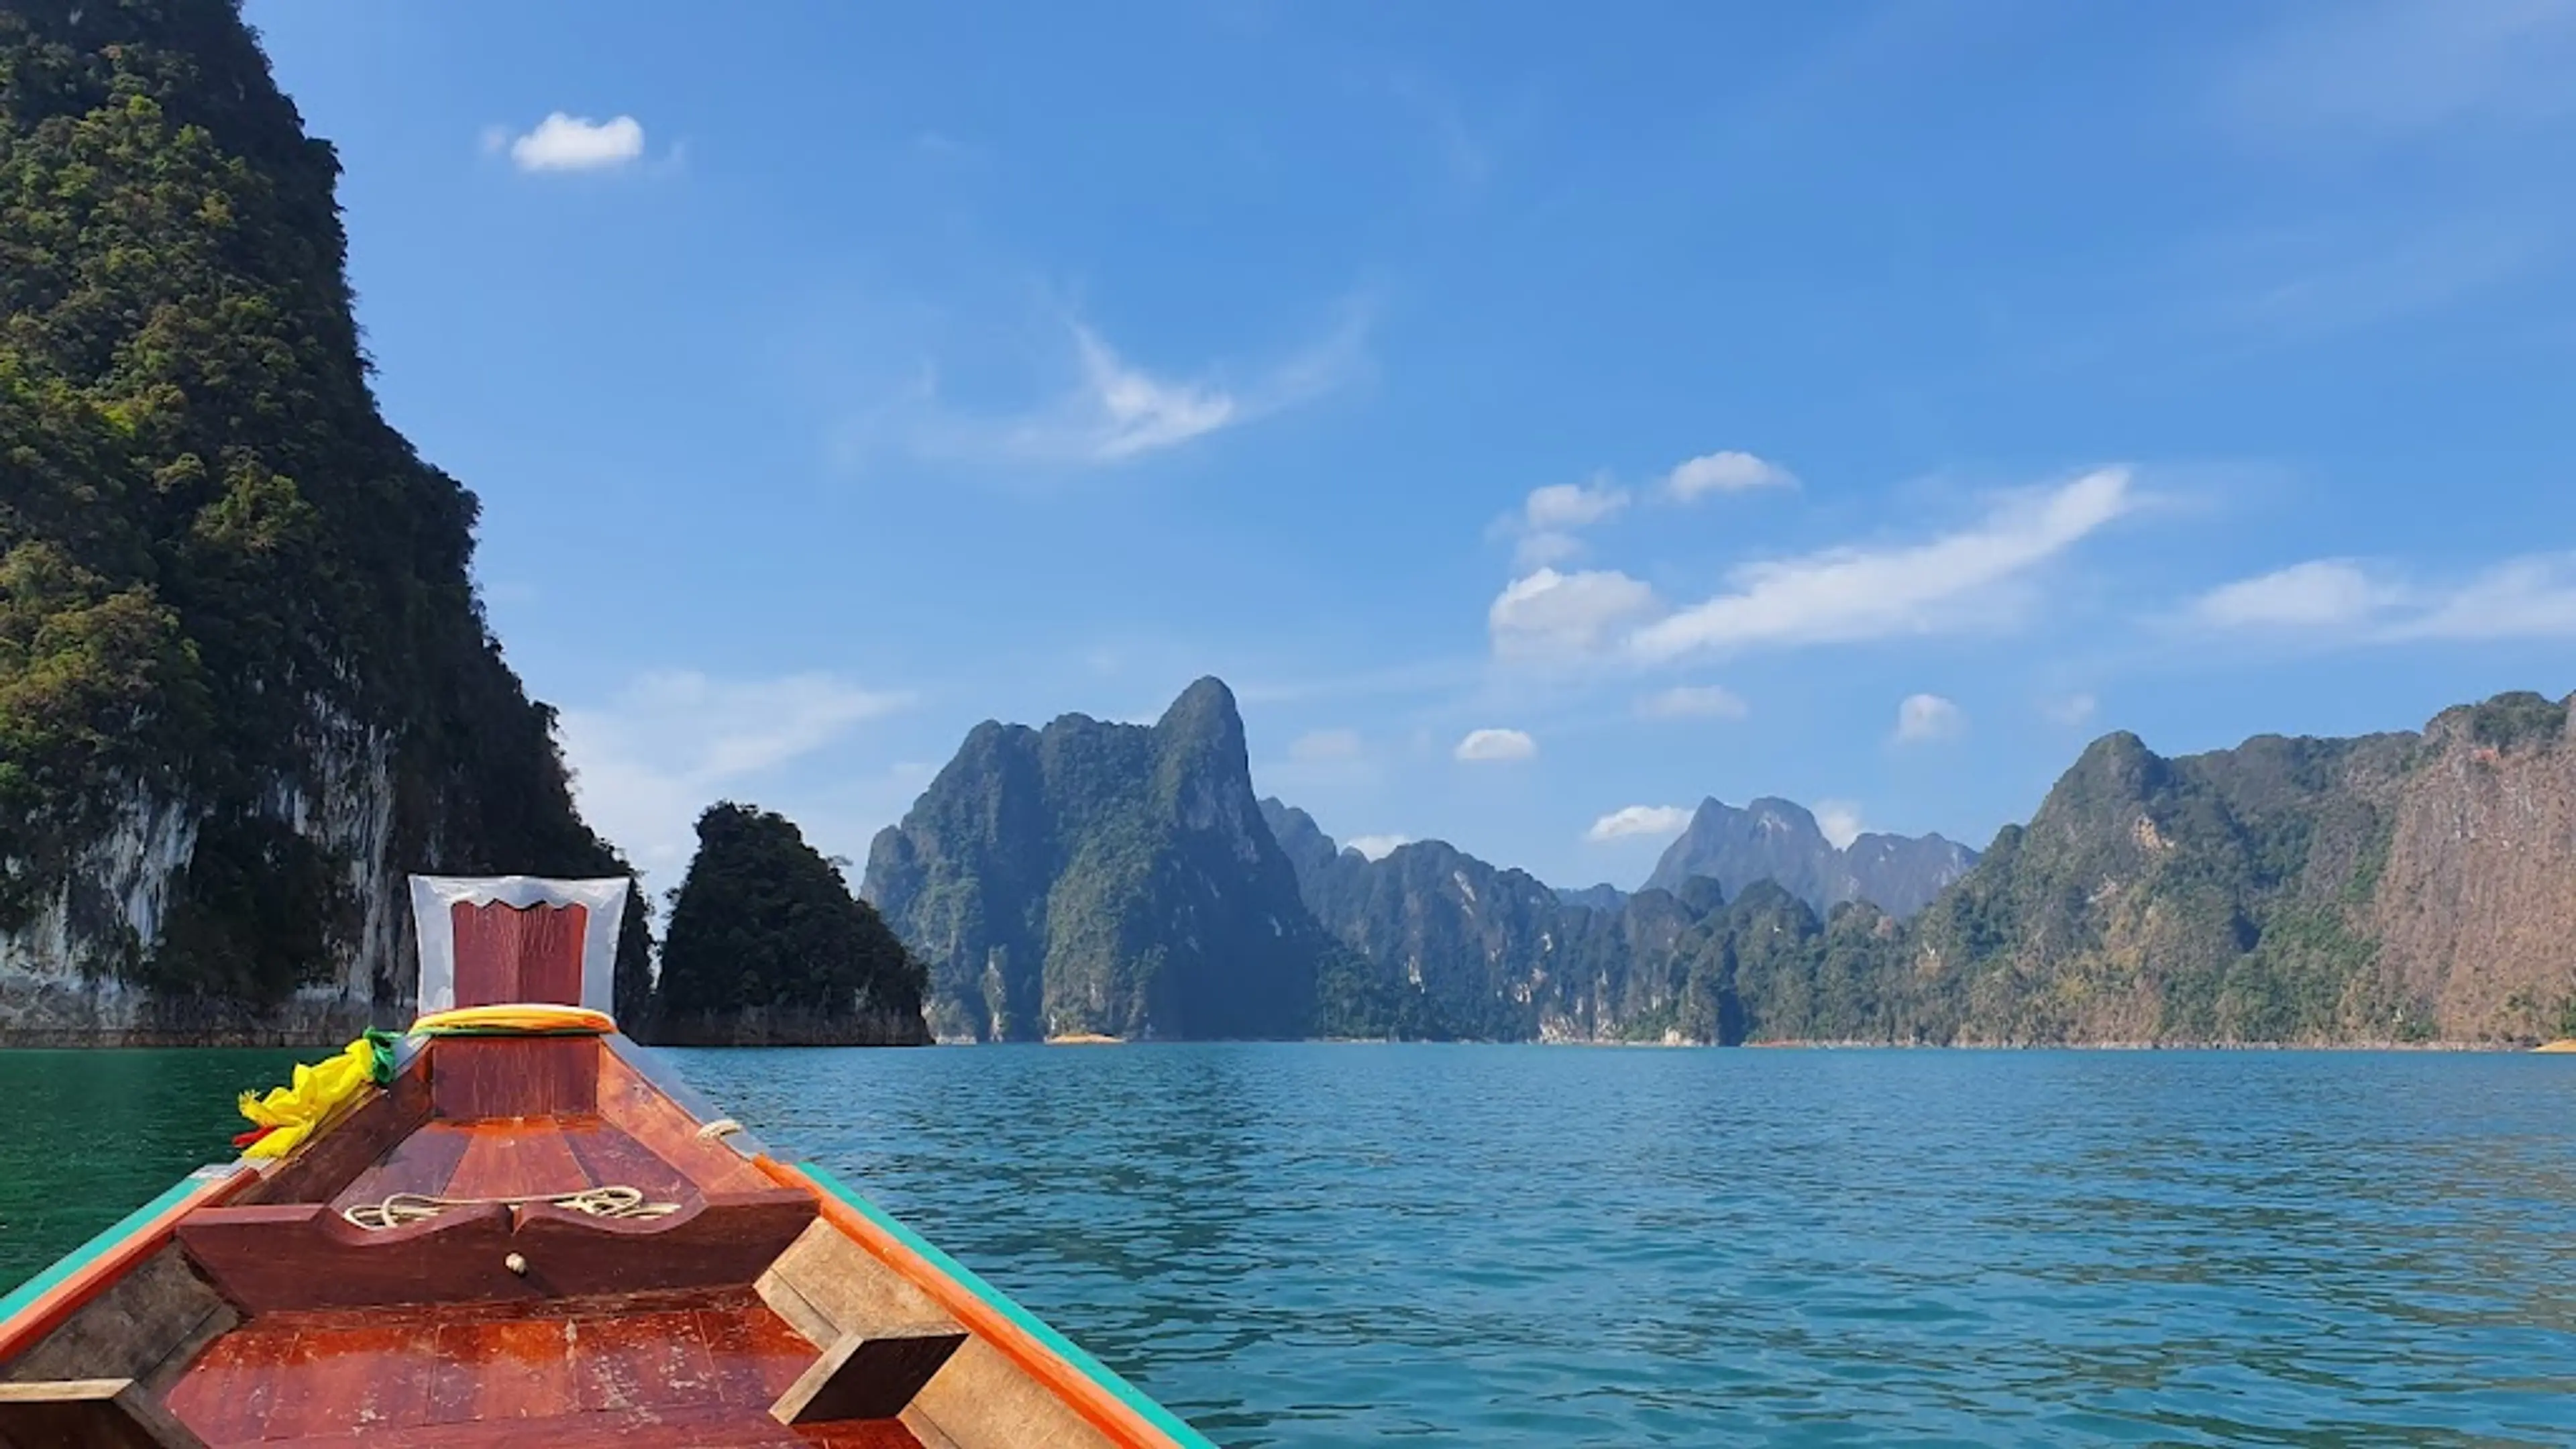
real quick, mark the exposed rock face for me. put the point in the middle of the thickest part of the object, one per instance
(1106, 879)
(2475, 906)
(2388, 888)
(245, 684)
(1777, 840)
(1460, 948)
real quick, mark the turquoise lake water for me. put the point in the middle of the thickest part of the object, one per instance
(1520, 1246)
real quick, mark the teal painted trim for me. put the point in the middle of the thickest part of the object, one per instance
(1065, 1348)
(73, 1261)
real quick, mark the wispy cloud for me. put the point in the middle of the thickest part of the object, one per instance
(1726, 472)
(649, 759)
(563, 142)
(1490, 745)
(1114, 410)
(2383, 69)
(1637, 820)
(1848, 594)
(2318, 282)
(2322, 593)
(1545, 526)
(2349, 601)
(1921, 717)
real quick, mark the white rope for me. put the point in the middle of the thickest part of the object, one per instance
(721, 1127)
(613, 1201)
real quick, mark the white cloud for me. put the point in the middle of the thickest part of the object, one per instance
(670, 743)
(577, 143)
(1629, 820)
(2533, 597)
(1573, 505)
(1848, 594)
(1317, 747)
(2319, 594)
(1376, 847)
(1693, 701)
(1116, 411)
(1138, 413)
(1489, 745)
(1546, 523)
(2526, 598)
(2069, 710)
(1725, 473)
(1928, 717)
(1550, 614)
(1840, 822)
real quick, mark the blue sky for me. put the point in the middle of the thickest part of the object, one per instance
(1541, 425)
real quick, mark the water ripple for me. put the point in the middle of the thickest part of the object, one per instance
(1499, 1246)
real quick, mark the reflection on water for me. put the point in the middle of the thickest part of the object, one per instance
(1505, 1246)
(1315, 1245)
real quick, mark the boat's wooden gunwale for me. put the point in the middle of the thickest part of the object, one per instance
(1090, 1388)
(45, 1302)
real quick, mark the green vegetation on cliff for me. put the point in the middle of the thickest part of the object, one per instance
(1103, 878)
(765, 926)
(231, 597)
(2392, 887)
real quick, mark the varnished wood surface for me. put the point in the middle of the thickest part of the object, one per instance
(513, 1076)
(660, 1370)
(542, 1155)
(507, 953)
(633, 1105)
(295, 1257)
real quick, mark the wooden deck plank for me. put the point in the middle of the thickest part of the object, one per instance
(609, 1155)
(374, 1377)
(512, 1368)
(757, 1355)
(517, 1159)
(719, 1428)
(422, 1163)
(642, 1361)
(227, 1394)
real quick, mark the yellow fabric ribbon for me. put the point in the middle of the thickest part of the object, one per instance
(294, 1111)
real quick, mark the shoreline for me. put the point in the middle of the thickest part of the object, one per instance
(56, 1039)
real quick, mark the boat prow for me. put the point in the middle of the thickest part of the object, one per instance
(528, 1232)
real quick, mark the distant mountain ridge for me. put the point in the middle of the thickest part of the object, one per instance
(1778, 840)
(2396, 887)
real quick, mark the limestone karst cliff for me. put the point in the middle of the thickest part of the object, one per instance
(245, 682)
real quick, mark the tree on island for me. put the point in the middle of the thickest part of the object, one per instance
(765, 926)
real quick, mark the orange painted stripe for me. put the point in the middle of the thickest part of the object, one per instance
(1080, 1392)
(48, 1310)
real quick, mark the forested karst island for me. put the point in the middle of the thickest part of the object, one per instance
(2406, 887)
(246, 684)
